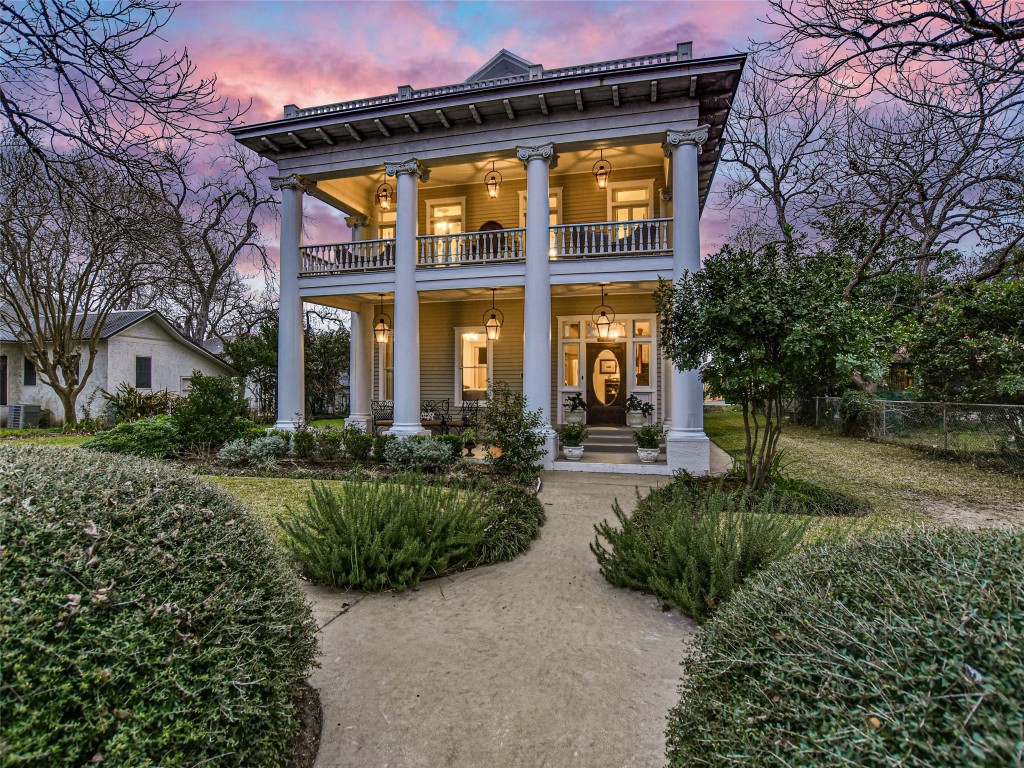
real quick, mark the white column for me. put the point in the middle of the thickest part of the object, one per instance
(688, 447)
(406, 336)
(360, 368)
(537, 307)
(291, 383)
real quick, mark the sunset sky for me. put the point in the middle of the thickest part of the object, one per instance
(310, 53)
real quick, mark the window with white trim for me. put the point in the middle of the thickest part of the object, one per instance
(386, 224)
(630, 201)
(473, 365)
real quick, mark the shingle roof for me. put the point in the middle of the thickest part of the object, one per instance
(115, 323)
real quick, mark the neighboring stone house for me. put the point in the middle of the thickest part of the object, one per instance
(138, 347)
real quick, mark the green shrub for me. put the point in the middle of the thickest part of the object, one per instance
(378, 536)
(147, 619)
(127, 403)
(213, 413)
(899, 650)
(304, 443)
(455, 444)
(516, 432)
(358, 444)
(692, 546)
(155, 438)
(234, 453)
(573, 434)
(264, 451)
(419, 454)
(380, 446)
(855, 410)
(809, 498)
(316, 444)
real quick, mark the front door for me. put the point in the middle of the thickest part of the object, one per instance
(606, 386)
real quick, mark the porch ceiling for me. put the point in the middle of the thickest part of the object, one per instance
(483, 293)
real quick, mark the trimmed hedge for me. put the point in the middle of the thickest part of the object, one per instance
(900, 650)
(391, 535)
(154, 438)
(147, 618)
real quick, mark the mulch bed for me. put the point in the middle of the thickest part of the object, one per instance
(307, 740)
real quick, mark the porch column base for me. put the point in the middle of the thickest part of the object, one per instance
(550, 447)
(286, 425)
(688, 451)
(359, 421)
(408, 430)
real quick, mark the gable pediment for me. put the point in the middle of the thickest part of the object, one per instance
(503, 64)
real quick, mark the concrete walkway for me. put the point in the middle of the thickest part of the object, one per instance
(537, 662)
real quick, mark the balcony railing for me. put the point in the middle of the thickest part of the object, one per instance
(646, 237)
(471, 248)
(358, 256)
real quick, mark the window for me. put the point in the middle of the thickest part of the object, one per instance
(186, 385)
(143, 372)
(3, 379)
(386, 224)
(629, 201)
(571, 365)
(446, 217)
(28, 374)
(642, 363)
(473, 365)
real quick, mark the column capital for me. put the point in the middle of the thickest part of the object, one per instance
(541, 151)
(292, 181)
(680, 137)
(358, 221)
(412, 166)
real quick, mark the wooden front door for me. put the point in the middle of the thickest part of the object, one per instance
(606, 384)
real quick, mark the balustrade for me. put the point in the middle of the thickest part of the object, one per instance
(357, 256)
(471, 247)
(612, 238)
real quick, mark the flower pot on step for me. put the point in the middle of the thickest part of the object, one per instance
(635, 419)
(575, 417)
(572, 452)
(648, 455)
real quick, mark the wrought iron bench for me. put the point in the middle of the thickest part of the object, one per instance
(434, 415)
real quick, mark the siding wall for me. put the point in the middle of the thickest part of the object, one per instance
(581, 199)
(437, 340)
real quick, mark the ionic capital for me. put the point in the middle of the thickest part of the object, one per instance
(413, 167)
(292, 181)
(676, 138)
(542, 151)
(358, 221)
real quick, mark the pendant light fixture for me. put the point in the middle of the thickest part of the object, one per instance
(494, 318)
(603, 317)
(385, 195)
(492, 181)
(381, 324)
(602, 170)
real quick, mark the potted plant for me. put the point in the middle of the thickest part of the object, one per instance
(648, 442)
(571, 436)
(575, 408)
(637, 411)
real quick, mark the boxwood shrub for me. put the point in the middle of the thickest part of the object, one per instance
(154, 438)
(900, 650)
(146, 618)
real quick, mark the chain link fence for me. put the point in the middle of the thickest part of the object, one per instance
(970, 429)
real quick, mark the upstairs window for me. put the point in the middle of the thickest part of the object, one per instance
(386, 224)
(143, 372)
(28, 378)
(629, 201)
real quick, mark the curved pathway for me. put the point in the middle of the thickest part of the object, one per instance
(537, 662)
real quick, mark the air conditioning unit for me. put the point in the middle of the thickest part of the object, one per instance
(23, 416)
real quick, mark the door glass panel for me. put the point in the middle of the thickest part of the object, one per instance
(606, 377)
(571, 364)
(642, 362)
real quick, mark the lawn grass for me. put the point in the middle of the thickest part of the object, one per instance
(38, 437)
(268, 497)
(898, 482)
(337, 423)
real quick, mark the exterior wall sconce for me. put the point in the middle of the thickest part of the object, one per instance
(602, 170)
(381, 324)
(385, 194)
(601, 318)
(493, 323)
(493, 182)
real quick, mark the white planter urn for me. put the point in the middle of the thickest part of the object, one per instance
(648, 455)
(575, 417)
(572, 452)
(635, 419)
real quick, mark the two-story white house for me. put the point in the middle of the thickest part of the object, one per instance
(510, 228)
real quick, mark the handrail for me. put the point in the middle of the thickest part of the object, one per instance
(471, 247)
(412, 94)
(612, 238)
(360, 255)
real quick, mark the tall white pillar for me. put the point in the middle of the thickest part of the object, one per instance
(537, 307)
(688, 447)
(360, 368)
(406, 336)
(291, 384)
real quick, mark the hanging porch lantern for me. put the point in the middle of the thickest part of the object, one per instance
(603, 317)
(385, 194)
(602, 170)
(493, 182)
(381, 324)
(494, 318)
